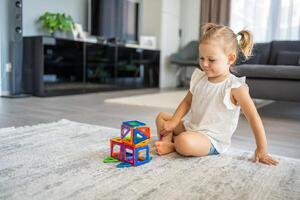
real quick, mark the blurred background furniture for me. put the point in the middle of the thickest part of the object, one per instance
(273, 72)
(148, 62)
(58, 66)
(188, 56)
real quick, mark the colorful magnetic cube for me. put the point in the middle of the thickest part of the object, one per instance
(136, 155)
(132, 147)
(134, 132)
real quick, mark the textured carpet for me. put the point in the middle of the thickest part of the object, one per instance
(63, 160)
(165, 100)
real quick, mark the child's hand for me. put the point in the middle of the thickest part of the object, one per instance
(262, 156)
(168, 126)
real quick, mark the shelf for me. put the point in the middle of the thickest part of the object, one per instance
(55, 66)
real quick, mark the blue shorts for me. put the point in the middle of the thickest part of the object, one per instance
(212, 151)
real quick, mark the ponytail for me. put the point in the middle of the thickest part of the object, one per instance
(245, 43)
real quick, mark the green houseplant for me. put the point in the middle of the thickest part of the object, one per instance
(52, 22)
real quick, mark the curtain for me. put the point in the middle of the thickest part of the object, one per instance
(268, 19)
(215, 11)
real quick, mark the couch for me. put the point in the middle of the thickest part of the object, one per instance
(273, 72)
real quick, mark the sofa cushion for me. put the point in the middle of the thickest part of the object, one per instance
(288, 58)
(268, 71)
(260, 54)
(277, 46)
(255, 59)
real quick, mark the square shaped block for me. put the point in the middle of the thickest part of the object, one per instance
(141, 158)
(116, 148)
(136, 155)
(128, 154)
(134, 132)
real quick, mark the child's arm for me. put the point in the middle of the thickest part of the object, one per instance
(241, 96)
(183, 107)
(180, 112)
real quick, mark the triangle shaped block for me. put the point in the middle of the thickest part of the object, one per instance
(124, 131)
(139, 136)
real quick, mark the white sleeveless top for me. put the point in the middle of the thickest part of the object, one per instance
(212, 112)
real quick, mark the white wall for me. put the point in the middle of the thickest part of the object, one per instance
(4, 24)
(189, 21)
(151, 19)
(163, 19)
(170, 24)
(190, 26)
(32, 9)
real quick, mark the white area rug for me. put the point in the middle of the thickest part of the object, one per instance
(63, 160)
(168, 100)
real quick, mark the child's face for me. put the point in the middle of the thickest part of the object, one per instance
(213, 60)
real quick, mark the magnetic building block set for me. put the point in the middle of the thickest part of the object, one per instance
(132, 147)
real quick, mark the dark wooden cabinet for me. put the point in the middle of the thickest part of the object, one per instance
(53, 66)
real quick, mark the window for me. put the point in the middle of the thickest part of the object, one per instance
(268, 19)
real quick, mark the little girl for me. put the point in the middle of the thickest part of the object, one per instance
(214, 99)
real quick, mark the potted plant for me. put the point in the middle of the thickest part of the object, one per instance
(53, 22)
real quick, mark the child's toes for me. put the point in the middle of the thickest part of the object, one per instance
(156, 144)
(157, 151)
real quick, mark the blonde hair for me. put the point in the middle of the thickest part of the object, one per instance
(211, 31)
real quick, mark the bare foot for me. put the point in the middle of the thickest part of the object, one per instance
(163, 147)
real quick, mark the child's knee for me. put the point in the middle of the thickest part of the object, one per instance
(162, 117)
(159, 117)
(183, 144)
